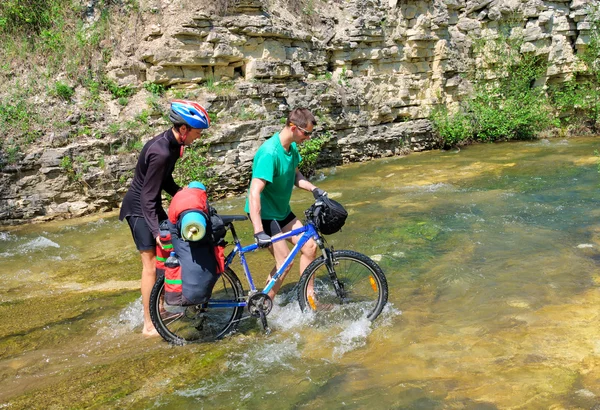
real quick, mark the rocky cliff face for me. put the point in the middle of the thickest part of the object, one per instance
(371, 71)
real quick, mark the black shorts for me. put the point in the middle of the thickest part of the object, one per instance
(142, 236)
(273, 227)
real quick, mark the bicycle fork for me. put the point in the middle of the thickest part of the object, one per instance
(330, 263)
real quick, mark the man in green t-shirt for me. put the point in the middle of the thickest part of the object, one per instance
(274, 174)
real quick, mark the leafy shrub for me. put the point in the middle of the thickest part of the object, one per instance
(156, 89)
(63, 90)
(508, 106)
(310, 150)
(577, 102)
(28, 16)
(452, 128)
(116, 90)
(194, 166)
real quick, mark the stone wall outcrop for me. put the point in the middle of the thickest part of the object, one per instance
(370, 70)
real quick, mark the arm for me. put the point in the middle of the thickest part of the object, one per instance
(150, 195)
(170, 186)
(256, 187)
(303, 183)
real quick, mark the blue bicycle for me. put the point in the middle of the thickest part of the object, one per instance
(339, 282)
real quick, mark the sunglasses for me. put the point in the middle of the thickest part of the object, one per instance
(307, 133)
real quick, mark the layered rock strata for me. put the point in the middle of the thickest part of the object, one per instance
(370, 70)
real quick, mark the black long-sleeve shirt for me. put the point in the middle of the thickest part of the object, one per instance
(153, 173)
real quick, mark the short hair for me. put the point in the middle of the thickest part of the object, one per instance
(300, 117)
(178, 126)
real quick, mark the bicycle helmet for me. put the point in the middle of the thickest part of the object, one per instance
(189, 113)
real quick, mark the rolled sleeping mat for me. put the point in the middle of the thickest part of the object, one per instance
(193, 226)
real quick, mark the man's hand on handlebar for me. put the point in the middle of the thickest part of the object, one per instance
(262, 239)
(318, 193)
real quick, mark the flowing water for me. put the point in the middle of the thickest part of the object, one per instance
(492, 257)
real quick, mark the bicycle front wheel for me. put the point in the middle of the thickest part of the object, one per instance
(184, 324)
(354, 285)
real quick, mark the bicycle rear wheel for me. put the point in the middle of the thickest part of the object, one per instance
(362, 290)
(183, 324)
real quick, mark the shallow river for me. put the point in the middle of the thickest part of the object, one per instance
(492, 256)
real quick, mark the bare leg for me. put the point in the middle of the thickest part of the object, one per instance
(308, 254)
(280, 251)
(148, 280)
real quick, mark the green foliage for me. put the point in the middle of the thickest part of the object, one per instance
(327, 76)
(343, 78)
(131, 143)
(577, 102)
(66, 164)
(453, 128)
(194, 166)
(310, 150)
(247, 114)
(9, 152)
(113, 128)
(506, 104)
(221, 88)
(29, 16)
(156, 89)
(15, 113)
(509, 114)
(309, 8)
(116, 90)
(63, 90)
(591, 54)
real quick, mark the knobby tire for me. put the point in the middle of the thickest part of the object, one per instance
(365, 289)
(183, 324)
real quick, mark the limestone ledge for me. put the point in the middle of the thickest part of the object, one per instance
(371, 70)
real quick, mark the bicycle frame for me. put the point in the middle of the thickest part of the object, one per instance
(308, 231)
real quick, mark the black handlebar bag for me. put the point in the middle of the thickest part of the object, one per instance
(199, 268)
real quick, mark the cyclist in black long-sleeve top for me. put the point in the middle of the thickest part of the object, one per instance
(142, 205)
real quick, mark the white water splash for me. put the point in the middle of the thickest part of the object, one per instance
(259, 360)
(130, 318)
(288, 317)
(5, 236)
(39, 243)
(585, 245)
(352, 337)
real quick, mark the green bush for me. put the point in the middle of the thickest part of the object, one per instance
(309, 151)
(29, 16)
(194, 166)
(63, 90)
(452, 128)
(156, 89)
(507, 106)
(116, 90)
(577, 102)
(16, 114)
(509, 114)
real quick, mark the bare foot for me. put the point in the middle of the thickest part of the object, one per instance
(150, 333)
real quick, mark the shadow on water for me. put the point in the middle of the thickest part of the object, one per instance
(492, 258)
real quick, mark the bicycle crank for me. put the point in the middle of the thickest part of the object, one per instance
(260, 305)
(259, 302)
